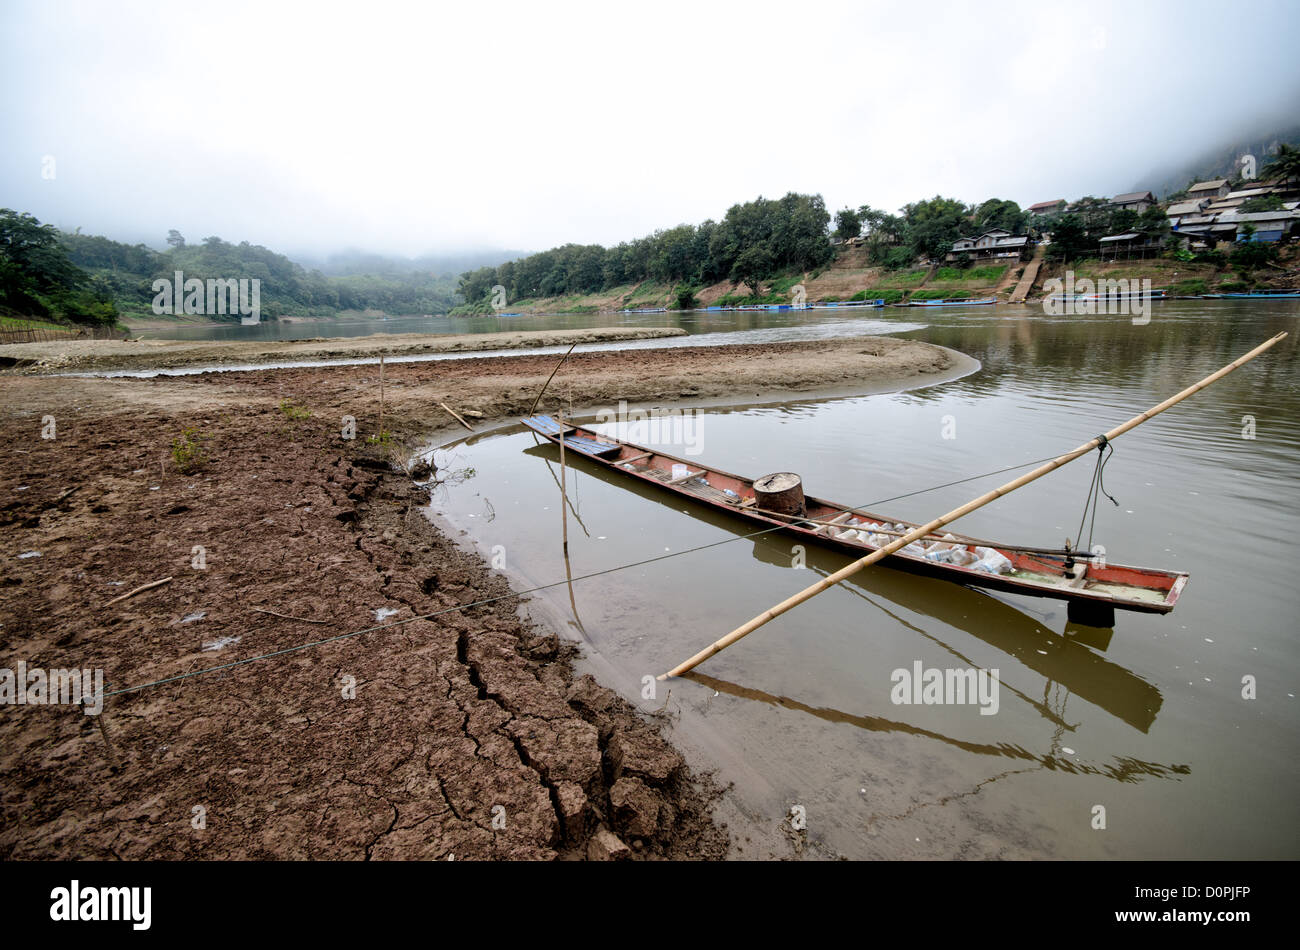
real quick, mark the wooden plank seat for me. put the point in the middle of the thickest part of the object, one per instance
(587, 446)
(579, 443)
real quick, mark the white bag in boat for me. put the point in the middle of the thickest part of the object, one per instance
(993, 561)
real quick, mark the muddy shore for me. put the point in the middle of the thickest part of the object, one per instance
(464, 734)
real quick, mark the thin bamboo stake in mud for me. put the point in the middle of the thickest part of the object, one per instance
(114, 762)
(381, 396)
(832, 579)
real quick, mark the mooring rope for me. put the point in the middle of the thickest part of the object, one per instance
(1095, 490)
(532, 590)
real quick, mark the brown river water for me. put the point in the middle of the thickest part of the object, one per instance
(1179, 732)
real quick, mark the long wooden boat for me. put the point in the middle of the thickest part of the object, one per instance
(849, 304)
(1117, 295)
(985, 302)
(1095, 588)
(1261, 295)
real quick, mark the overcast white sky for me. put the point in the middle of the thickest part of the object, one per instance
(416, 127)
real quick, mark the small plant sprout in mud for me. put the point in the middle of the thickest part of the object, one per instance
(1248, 427)
(198, 818)
(187, 451)
(48, 429)
(293, 411)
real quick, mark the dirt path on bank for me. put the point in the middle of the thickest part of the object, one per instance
(465, 734)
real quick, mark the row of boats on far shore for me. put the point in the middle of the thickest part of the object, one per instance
(987, 301)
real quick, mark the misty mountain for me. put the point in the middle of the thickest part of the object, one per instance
(1220, 161)
(353, 262)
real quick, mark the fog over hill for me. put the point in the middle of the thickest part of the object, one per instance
(356, 261)
(1221, 156)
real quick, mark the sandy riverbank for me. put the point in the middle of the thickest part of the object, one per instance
(64, 356)
(466, 734)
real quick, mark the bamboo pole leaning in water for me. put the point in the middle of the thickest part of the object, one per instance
(564, 494)
(832, 579)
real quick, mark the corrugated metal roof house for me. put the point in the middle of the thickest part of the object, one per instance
(1047, 207)
(1216, 188)
(997, 244)
(1183, 209)
(1134, 201)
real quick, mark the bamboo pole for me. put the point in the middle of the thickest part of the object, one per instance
(551, 377)
(564, 494)
(139, 590)
(457, 415)
(832, 579)
(381, 396)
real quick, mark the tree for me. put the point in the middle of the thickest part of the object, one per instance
(1123, 219)
(1284, 166)
(753, 264)
(1000, 213)
(1249, 254)
(930, 227)
(1095, 214)
(1153, 222)
(37, 277)
(175, 239)
(1069, 237)
(1261, 203)
(847, 224)
(474, 286)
